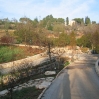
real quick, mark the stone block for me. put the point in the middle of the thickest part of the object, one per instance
(50, 72)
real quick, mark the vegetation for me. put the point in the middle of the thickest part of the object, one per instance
(35, 32)
(12, 53)
(47, 32)
(25, 93)
(67, 21)
(87, 20)
(79, 20)
(24, 76)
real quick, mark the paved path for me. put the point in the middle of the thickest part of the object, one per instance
(79, 81)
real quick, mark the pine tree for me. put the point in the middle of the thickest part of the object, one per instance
(87, 20)
(67, 21)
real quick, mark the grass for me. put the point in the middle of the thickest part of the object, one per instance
(32, 92)
(9, 53)
(66, 63)
(25, 93)
(12, 53)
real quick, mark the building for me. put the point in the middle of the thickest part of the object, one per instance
(72, 22)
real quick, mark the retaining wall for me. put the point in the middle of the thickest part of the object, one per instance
(8, 67)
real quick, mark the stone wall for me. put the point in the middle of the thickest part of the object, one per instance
(8, 67)
(97, 66)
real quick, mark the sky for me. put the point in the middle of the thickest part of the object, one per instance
(41, 8)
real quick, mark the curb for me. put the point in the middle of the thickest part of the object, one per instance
(41, 95)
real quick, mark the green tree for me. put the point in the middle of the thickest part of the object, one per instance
(72, 39)
(60, 20)
(87, 20)
(67, 21)
(85, 41)
(35, 22)
(93, 22)
(63, 39)
(59, 28)
(24, 30)
(95, 41)
(79, 20)
(6, 25)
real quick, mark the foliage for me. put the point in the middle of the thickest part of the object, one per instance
(24, 32)
(72, 39)
(67, 21)
(12, 53)
(49, 21)
(9, 53)
(66, 63)
(60, 20)
(7, 39)
(26, 93)
(84, 49)
(59, 28)
(87, 20)
(62, 40)
(93, 22)
(35, 22)
(84, 41)
(79, 20)
(95, 41)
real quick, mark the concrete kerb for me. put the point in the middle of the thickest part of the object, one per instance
(63, 69)
(41, 95)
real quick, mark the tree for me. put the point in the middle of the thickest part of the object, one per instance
(35, 22)
(95, 41)
(67, 21)
(7, 39)
(72, 39)
(85, 41)
(79, 20)
(6, 25)
(93, 22)
(24, 31)
(60, 20)
(63, 39)
(87, 20)
(59, 28)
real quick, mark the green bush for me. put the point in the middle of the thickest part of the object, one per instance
(8, 53)
(66, 63)
(84, 49)
(25, 93)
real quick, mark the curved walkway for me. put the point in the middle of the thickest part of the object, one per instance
(79, 81)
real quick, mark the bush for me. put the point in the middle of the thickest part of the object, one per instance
(25, 93)
(84, 49)
(9, 53)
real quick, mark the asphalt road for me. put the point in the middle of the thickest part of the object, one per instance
(79, 81)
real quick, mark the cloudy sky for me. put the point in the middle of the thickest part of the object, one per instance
(42, 8)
